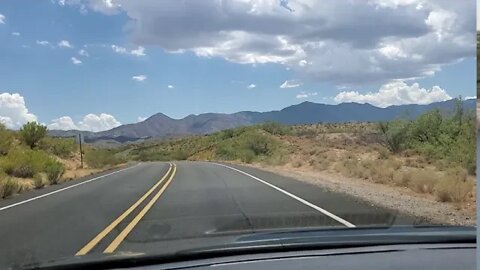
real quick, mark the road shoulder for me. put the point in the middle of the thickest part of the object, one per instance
(394, 198)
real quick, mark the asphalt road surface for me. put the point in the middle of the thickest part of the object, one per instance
(149, 206)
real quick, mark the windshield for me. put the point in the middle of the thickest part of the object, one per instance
(154, 127)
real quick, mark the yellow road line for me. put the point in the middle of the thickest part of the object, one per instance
(110, 227)
(116, 242)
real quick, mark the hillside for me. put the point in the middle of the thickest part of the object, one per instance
(162, 126)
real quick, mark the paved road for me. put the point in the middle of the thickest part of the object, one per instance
(148, 206)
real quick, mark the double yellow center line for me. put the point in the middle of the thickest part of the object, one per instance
(124, 233)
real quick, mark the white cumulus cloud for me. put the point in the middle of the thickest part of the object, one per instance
(141, 119)
(64, 44)
(63, 123)
(396, 93)
(251, 86)
(290, 84)
(2, 19)
(90, 122)
(93, 122)
(139, 78)
(75, 61)
(15, 34)
(170, 86)
(13, 111)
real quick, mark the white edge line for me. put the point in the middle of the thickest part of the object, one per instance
(307, 203)
(65, 188)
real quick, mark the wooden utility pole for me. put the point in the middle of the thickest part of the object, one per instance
(81, 151)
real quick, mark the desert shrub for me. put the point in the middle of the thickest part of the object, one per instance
(54, 171)
(179, 155)
(24, 162)
(247, 156)
(453, 186)
(383, 153)
(275, 128)
(259, 144)
(62, 147)
(8, 186)
(32, 132)
(6, 140)
(305, 132)
(423, 181)
(452, 190)
(394, 134)
(38, 181)
(101, 158)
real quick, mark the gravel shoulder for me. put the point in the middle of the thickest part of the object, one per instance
(392, 197)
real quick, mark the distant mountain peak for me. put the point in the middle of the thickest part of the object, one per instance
(158, 117)
(162, 126)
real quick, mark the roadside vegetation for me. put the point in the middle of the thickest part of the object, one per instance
(29, 159)
(432, 155)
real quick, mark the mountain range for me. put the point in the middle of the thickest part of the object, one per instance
(162, 126)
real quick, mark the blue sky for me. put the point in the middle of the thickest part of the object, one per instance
(93, 64)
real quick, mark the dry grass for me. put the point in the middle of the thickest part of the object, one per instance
(353, 150)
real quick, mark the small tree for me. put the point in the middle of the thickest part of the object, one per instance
(32, 132)
(394, 134)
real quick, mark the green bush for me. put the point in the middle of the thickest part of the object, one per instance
(275, 128)
(394, 134)
(101, 158)
(24, 162)
(441, 138)
(54, 171)
(62, 147)
(6, 140)
(32, 132)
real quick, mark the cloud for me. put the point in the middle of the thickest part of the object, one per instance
(170, 86)
(303, 95)
(109, 7)
(251, 86)
(65, 44)
(141, 119)
(90, 122)
(15, 34)
(63, 123)
(2, 19)
(75, 61)
(139, 51)
(43, 42)
(119, 49)
(93, 122)
(302, 62)
(412, 38)
(290, 84)
(139, 78)
(13, 111)
(83, 52)
(396, 93)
